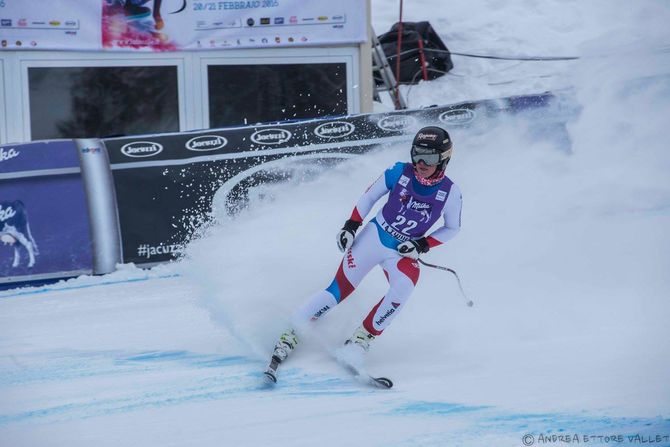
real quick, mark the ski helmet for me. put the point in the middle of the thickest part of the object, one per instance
(433, 146)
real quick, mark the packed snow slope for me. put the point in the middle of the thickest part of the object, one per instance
(564, 250)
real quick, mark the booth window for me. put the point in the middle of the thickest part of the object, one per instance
(249, 94)
(89, 102)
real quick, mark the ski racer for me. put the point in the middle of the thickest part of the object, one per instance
(419, 194)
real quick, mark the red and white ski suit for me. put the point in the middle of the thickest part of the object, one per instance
(377, 242)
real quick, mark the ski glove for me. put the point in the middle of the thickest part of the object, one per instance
(413, 248)
(345, 237)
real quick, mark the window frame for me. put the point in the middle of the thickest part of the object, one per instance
(97, 61)
(316, 55)
(192, 83)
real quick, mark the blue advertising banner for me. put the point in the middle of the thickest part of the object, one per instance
(44, 155)
(44, 228)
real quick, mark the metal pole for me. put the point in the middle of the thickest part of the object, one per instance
(468, 302)
(397, 62)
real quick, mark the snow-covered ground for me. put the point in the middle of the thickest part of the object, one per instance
(564, 250)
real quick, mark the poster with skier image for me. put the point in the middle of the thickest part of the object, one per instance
(167, 25)
(135, 24)
(171, 25)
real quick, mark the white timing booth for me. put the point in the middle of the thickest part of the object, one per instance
(98, 68)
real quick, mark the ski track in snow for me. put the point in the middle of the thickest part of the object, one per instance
(196, 378)
(48, 390)
(50, 387)
(174, 378)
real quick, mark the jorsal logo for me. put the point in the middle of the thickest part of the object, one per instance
(396, 122)
(336, 129)
(206, 143)
(8, 154)
(140, 149)
(271, 136)
(457, 116)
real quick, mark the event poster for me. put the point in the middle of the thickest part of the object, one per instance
(172, 25)
(50, 24)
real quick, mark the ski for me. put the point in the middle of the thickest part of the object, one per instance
(343, 357)
(381, 382)
(270, 375)
(378, 382)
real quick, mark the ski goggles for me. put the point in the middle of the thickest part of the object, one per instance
(428, 156)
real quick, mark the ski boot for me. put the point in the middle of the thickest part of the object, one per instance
(352, 357)
(287, 343)
(362, 338)
(352, 354)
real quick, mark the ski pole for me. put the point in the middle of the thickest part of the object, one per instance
(468, 302)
